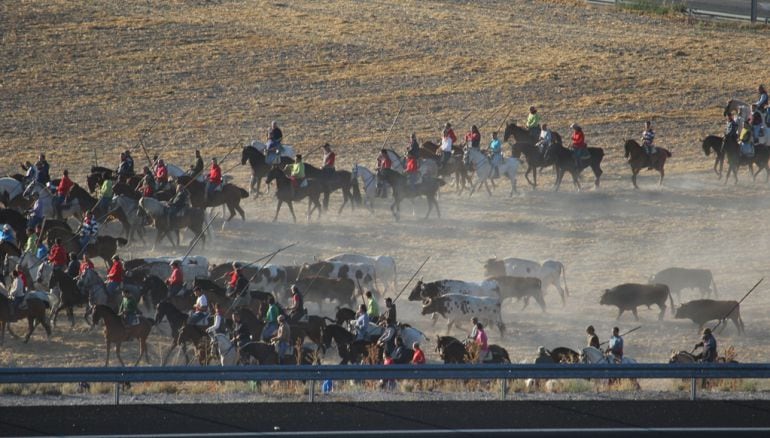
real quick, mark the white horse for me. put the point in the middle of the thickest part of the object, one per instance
(92, 284)
(132, 213)
(225, 349)
(46, 199)
(369, 180)
(10, 188)
(485, 169)
(594, 355)
(288, 151)
(742, 112)
(427, 167)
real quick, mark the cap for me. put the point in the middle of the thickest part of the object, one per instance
(115, 257)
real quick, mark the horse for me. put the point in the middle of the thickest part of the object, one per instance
(333, 181)
(37, 303)
(126, 210)
(521, 135)
(485, 169)
(285, 193)
(638, 159)
(594, 355)
(181, 333)
(564, 355)
(714, 142)
(225, 349)
(68, 209)
(230, 196)
(369, 180)
(259, 167)
(115, 332)
(191, 218)
(91, 284)
(10, 189)
(564, 161)
(455, 165)
(731, 149)
(428, 187)
(84, 200)
(70, 294)
(448, 348)
(350, 350)
(534, 159)
(104, 246)
(17, 221)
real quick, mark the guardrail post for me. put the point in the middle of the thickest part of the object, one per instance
(753, 11)
(311, 390)
(503, 388)
(693, 388)
(117, 394)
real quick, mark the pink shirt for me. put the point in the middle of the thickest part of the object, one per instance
(481, 339)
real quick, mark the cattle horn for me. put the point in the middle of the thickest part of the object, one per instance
(426, 302)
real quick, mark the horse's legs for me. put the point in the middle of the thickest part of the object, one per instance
(530, 168)
(107, 362)
(634, 172)
(291, 209)
(142, 351)
(117, 353)
(575, 180)
(430, 206)
(487, 187)
(534, 178)
(559, 176)
(662, 174)
(438, 211)
(30, 328)
(636, 315)
(277, 209)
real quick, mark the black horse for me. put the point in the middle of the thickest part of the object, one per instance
(333, 180)
(70, 297)
(564, 161)
(288, 194)
(17, 221)
(428, 187)
(449, 349)
(351, 351)
(731, 150)
(181, 332)
(259, 166)
(230, 196)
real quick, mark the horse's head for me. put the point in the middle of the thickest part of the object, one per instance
(509, 128)
(628, 146)
(275, 174)
(160, 311)
(711, 142)
(32, 188)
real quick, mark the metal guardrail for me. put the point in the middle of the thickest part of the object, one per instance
(311, 374)
(700, 11)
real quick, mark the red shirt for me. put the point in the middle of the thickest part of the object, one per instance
(411, 165)
(147, 191)
(451, 134)
(176, 277)
(215, 174)
(384, 162)
(116, 272)
(161, 174)
(472, 137)
(329, 159)
(234, 278)
(578, 140)
(419, 357)
(58, 256)
(23, 280)
(86, 265)
(64, 186)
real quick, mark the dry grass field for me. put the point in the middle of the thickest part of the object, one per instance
(79, 77)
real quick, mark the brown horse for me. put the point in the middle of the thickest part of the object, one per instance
(116, 332)
(35, 313)
(286, 194)
(230, 196)
(104, 246)
(731, 150)
(638, 159)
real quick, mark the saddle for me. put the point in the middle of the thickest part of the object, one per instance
(131, 320)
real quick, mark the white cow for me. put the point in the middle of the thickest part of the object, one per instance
(384, 267)
(549, 273)
(460, 308)
(362, 274)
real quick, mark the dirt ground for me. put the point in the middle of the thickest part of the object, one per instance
(85, 76)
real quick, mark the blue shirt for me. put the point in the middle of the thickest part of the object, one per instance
(616, 345)
(709, 348)
(7, 236)
(762, 102)
(42, 251)
(495, 146)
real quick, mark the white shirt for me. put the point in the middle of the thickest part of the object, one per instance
(217, 323)
(17, 288)
(446, 143)
(202, 303)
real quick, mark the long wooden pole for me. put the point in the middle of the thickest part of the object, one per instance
(737, 304)
(410, 280)
(395, 119)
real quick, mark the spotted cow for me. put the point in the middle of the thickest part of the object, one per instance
(461, 308)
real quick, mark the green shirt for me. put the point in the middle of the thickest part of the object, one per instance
(372, 309)
(298, 170)
(272, 314)
(105, 191)
(31, 245)
(533, 120)
(127, 306)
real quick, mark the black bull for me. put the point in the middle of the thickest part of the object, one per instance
(629, 296)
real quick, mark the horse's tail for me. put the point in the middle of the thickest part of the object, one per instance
(356, 192)
(564, 275)
(670, 299)
(243, 192)
(121, 241)
(668, 152)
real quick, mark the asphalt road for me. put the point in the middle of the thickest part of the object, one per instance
(510, 418)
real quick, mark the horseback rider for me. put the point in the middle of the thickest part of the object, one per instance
(241, 332)
(31, 244)
(115, 275)
(161, 175)
(197, 168)
(88, 230)
(297, 309)
(62, 192)
(533, 123)
(756, 123)
(383, 162)
(474, 331)
(387, 340)
(473, 137)
(297, 172)
(179, 203)
(36, 212)
(214, 181)
(747, 147)
(398, 352)
(17, 292)
(175, 281)
(648, 138)
(43, 169)
(762, 103)
(448, 139)
(282, 338)
(544, 141)
(104, 192)
(414, 147)
(362, 323)
(709, 344)
(616, 345)
(42, 250)
(593, 339)
(419, 356)
(389, 316)
(58, 255)
(219, 322)
(30, 172)
(200, 308)
(543, 356)
(274, 146)
(147, 185)
(85, 265)
(579, 147)
(412, 171)
(124, 170)
(329, 158)
(496, 151)
(482, 342)
(238, 282)
(128, 309)
(7, 235)
(372, 308)
(731, 129)
(271, 320)
(73, 268)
